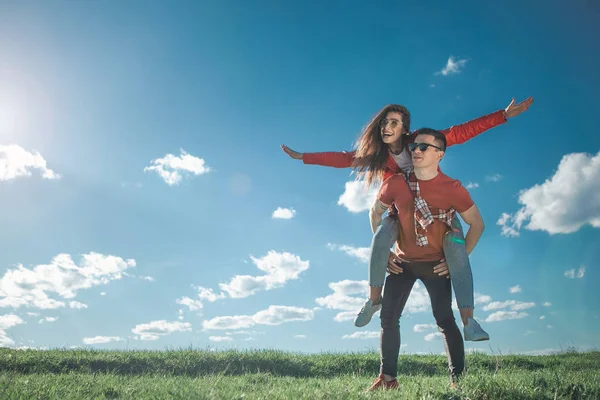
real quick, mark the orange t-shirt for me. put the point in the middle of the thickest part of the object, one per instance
(440, 192)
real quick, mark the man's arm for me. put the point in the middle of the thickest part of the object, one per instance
(376, 214)
(476, 226)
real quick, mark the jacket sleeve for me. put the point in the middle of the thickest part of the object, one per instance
(335, 159)
(459, 134)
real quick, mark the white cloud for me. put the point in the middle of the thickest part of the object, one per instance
(101, 339)
(31, 287)
(277, 315)
(493, 178)
(572, 274)
(547, 304)
(280, 268)
(529, 332)
(147, 278)
(48, 319)
(220, 338)
(424, 327)
(362, 253)
(274, 315)
(357, 198)
(192, 304)
(284, 213)
(300, 336)
(33, 314)
(363, 335)
(77, 305)
(505, 315)
(563, 203)
(244, 333)
(102, 293)
(453, 66)
(345, 316)
(482, 298)
(7, 321)
(543, 317)
(514, 305)
(550, 327)
(515, 289)
(16, 162)
(433, 336)
(208, 294)
(153, 330)
(472, 185)
(172, 168)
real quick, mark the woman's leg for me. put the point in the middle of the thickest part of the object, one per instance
(385, 236)
(461, 276)
(383, 239)
(460, 269)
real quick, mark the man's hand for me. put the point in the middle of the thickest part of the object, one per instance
(513, 110)
(393, 266)
(291, 153)
(442, 268)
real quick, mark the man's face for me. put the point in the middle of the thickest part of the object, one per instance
(391, 127)
(427, 157)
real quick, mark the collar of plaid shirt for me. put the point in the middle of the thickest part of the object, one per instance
(423, 215)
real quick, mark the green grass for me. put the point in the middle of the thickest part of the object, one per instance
(198, 374)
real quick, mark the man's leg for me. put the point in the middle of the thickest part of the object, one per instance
(383, 239)
(397, 290)
(440, 293)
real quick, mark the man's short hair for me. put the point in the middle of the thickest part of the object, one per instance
(440, 138)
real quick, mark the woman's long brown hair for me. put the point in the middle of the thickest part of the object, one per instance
(371, 153)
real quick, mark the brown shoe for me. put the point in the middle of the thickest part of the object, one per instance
(381, 383)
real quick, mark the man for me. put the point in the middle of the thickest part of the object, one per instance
(427, 201)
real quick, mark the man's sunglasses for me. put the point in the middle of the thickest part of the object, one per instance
(422, 146)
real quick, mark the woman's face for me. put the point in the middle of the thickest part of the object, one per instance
(391, 127)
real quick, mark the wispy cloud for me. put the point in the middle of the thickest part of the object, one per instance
(515, 289)
(572, 274)
(279, 267)
(274, 315)
(363, 335)
(514, 305)
(155, 329)
(547, 304)
(540, 202)
(493, 178)
(172, 168)
(284, 213)
(300, 336)
(220, 338)
(361, 253)
(505, 315)
(453, 66)
(433, 336)
(16, 162)
(101, 339)
(472, 185)
(424, 327)
(48, 319)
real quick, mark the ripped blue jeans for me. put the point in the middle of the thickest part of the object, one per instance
(455, 254)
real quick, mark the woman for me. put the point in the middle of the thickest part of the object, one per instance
(381, 151)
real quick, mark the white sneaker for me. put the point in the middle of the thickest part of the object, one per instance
(474, 332)
(366, 313)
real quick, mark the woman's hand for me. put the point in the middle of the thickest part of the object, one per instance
(291, 153)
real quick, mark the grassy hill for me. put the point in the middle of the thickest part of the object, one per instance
(268, 374)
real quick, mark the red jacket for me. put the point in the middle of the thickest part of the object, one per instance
(456, 134)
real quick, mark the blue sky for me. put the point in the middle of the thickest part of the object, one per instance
(98, 99)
